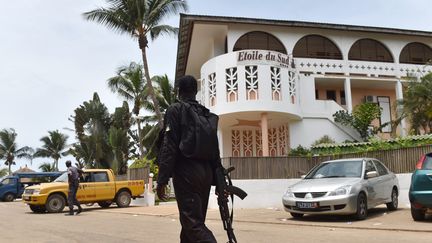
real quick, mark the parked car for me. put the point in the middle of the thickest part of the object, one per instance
(420, 192)
(96, 186)
(343, 187)
(12, 186)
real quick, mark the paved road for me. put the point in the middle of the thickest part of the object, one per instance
(160, 224)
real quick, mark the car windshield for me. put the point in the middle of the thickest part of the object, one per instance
(62, 178)
(336, 169)
(7, 181)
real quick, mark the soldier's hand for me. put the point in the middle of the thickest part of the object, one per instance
(161, 192)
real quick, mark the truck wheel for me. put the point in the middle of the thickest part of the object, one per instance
(55, 203)
(9, 197)
(38, 208)
(105, 204)
(123, 199)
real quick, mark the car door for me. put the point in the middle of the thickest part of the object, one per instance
(86, 190)
(372, 184)
(104, 189)
(385, 181)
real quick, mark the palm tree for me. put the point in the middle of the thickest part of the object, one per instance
(166, 95)
(417, 104)
(92, 122)
(3, 172)
(129, 84)
(9, 149)
(141, 19)
(47, 167)
(54, 146)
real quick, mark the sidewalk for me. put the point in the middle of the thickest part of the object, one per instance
(378, 219)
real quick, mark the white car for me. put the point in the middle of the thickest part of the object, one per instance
(345, 186)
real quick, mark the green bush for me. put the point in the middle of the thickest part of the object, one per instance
(374, 144)
(144, 162)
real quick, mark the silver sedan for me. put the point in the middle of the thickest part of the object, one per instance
(346, 186)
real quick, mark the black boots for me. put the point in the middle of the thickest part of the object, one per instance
(79, 210)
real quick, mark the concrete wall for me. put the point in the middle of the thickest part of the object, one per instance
(268, 193)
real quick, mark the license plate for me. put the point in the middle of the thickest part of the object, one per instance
(26, 198)
(307, 204)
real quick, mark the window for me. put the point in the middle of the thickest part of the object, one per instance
(85, 177)
(369, 167)
(316, 46)
(100, 177)
(384, 104)
(427, 164)
(382, 170)
(369, 50)
(260, 41)
(316, 94)
(415, 53)
(331, 95)
(8, 181)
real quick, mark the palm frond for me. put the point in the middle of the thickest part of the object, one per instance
(161, 30)
(112, 18)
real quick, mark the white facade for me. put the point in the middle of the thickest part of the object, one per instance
(269, 101)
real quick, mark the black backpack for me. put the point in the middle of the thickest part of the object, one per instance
(199, 133)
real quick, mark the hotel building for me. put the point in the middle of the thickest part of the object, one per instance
(276, 84)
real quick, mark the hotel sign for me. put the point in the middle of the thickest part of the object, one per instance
(263, 57)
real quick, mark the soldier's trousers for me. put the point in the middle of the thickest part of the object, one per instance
(192, 182)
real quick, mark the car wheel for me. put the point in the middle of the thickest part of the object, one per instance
(105, 204)
(361, 207)
(393, 205)
(9, 197)
(418, 214)
(37, 208)
(55, 203)
(123, 199)
(297, 215)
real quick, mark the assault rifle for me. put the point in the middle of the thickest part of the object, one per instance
(224, 188)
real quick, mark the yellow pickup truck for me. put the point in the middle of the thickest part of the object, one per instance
(96, 186)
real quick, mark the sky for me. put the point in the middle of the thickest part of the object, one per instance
(52, 60)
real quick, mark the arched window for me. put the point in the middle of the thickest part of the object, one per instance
(369, 50)
(260, 41)
(316, 46)
(415, 53)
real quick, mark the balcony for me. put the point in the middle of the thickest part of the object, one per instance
(360, 68)
(250, 81)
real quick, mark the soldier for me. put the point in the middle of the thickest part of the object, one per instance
(183, 156)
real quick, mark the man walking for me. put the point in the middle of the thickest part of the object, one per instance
(189, 153)
(73, 180)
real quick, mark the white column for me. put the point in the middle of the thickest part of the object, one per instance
(221, 142)
(264, 133)
(348, 97)
(399, 97)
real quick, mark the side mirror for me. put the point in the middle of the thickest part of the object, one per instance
(371, 174)
(302, 176)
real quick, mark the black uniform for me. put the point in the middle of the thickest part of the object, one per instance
(192, 178)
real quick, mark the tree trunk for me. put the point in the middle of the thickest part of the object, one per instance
(9, 165)
(150, 87)
(56, 164)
